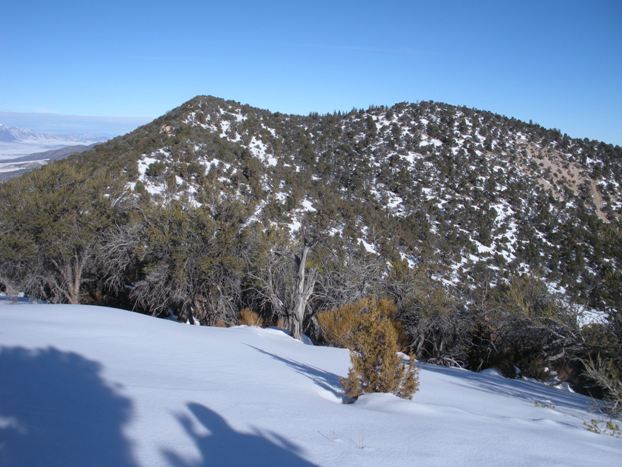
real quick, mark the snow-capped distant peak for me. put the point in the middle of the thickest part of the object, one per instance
(22, 135)
(20, 142)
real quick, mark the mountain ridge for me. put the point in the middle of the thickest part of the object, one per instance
(411, 162)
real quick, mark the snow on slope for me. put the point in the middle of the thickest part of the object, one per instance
(83, 386)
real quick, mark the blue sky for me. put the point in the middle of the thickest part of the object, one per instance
(558, 63)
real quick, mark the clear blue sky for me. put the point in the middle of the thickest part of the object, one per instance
(557, 62)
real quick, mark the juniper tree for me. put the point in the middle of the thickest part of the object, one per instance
(376, 366)
(50, 231)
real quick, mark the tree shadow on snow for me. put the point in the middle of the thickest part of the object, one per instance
(225, 447)
(57, 410)
(324, 379)
(526, 390)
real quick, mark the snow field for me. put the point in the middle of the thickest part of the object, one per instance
(85, 385)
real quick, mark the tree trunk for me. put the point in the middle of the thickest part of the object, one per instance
(295, 327)
(74, 288)
(303, 290)
(71, 274)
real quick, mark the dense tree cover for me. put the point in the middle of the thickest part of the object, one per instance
(457, 216)
(51, 225)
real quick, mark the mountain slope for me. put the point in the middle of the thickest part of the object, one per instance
(125, 389)
(470, 193)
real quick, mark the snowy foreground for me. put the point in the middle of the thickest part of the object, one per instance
(82, 386)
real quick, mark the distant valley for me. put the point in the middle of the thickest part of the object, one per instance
(22, 150)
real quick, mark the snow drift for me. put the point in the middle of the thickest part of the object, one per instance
(82, 386)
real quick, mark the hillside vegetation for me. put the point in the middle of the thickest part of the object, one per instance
(499, 241)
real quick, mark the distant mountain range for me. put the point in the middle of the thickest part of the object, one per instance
(26, 136)
(22, 150)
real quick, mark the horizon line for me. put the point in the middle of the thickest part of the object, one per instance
(58, 114)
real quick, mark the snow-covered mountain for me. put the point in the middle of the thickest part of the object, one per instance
(86, 386)
(9, 135)
(469, 192)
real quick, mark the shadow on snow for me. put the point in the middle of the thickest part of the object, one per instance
(57, 410)
(324, 379)
(223, 446)
(526, 390)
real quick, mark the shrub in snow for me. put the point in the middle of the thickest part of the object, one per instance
(139, 187)
(339, 325)
(250, 318)
(376, 366)
(607, 427)
(220, 323)
(155, 169)
(281, 323)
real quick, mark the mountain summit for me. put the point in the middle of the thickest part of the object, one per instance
(466, 189)
(426, 144)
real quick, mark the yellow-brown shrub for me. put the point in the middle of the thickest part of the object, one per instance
(220, 323)
(371, 336)
(250, 318)
(338, 325)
